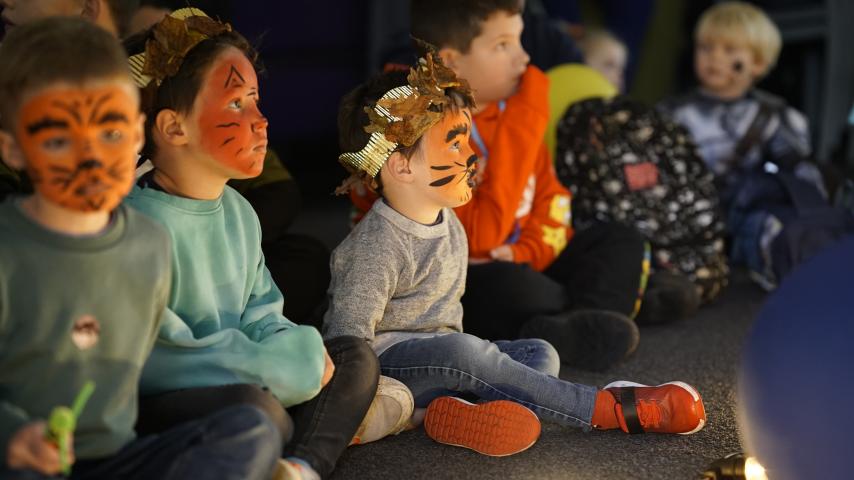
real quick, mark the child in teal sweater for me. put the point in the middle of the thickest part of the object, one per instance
(224, 339)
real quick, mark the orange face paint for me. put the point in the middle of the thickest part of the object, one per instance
(451, 160)
(233, 129)
(80, 145)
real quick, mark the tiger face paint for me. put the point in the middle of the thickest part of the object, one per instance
(232, 129)
(451, 161)
(81, 144)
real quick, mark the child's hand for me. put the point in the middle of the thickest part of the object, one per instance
(478, 261)
(503, 253)
(29, 449)
(328, 371)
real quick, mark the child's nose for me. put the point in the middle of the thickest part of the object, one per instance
(260, 123)
(524, 58)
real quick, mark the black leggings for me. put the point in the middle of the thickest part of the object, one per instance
(316, 431)
(599, 269)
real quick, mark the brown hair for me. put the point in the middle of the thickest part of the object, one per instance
(55, 50)
(455, 23)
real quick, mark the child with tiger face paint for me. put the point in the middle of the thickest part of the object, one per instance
(227, 341)
(399, 276)
(87, 279)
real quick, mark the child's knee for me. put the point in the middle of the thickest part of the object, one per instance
(355, 358)
(547, 358)
(261, 399)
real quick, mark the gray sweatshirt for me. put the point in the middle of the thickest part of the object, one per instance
(394, 278)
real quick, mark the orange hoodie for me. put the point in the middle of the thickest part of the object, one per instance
(519, 200)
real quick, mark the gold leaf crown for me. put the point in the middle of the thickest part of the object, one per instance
(404, 113)
(172, 39)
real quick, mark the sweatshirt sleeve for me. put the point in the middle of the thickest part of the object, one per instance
(12, 418)
(513, 149)
(289, 362)
(363, 280)
(262, 315)
(547, 230)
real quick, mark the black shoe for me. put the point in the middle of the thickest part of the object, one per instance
(588, 339)
(668, 298)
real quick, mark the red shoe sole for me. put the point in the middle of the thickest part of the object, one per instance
(498, 428)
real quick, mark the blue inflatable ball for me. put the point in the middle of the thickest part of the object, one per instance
(796, 389)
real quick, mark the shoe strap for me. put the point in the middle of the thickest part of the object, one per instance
(627, 400)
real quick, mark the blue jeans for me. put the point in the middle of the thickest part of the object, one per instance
(524, 371)
(236, 443)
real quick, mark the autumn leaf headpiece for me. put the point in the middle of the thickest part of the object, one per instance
(172, 39)
(404, 113)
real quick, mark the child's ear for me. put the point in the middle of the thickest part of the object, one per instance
(139, 133)
(91, 9)
(450, 57)
(169, 126)
(10, 152)
(398, 167)
(758, 68)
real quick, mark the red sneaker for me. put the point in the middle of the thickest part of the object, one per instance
(672, 407)
(498, 428)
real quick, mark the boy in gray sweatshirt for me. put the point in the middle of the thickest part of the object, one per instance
(397, 280)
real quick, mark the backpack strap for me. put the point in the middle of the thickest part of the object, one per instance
(753, 136)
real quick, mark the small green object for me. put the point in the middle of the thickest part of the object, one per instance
(63, 421)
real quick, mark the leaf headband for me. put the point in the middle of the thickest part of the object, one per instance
(404, 113)
(172, 40)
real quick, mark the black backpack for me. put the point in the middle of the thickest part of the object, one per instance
(625, 162)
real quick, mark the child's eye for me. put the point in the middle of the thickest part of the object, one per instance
(501, 46)
(455, 146)
(112, 135)
(236, 104)
(56, 143)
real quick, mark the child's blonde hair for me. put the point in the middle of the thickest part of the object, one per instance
(743, 22)
(594, 38)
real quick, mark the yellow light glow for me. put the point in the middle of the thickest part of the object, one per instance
(753, 470)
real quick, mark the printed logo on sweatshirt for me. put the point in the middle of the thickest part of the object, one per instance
(560, 210)
(527, 200)
(555, 237)
(85, 332)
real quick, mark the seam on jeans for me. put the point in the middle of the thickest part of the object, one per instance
(483, 382)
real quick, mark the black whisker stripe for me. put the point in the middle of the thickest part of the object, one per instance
(226, 141)
(94, 112)
(443, 181)
(71, 109)
(442, 167)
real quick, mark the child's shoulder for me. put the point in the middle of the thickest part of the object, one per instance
(378, 231)
(691, 98)
(139, 225)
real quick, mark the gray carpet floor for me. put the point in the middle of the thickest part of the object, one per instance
(703, 351)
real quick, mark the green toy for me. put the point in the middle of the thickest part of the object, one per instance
(63, 421)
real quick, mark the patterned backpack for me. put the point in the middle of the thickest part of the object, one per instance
(625, 162)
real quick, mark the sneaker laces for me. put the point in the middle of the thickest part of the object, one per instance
(649, 413)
